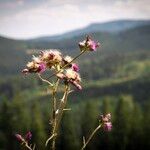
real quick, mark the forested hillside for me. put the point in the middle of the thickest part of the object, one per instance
(115, 79)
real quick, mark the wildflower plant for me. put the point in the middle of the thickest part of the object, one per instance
(25, 140)
(66, 73)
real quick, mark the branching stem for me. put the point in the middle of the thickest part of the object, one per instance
(25, 143)
(58, 117)
(44, 80)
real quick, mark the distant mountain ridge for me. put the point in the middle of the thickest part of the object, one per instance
(111, 27)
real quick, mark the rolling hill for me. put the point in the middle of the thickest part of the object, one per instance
(12, 55)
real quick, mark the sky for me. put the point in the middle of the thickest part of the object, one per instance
(24, 19)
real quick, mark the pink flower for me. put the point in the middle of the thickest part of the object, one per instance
(106, 123)
(51, 56)
(19, 137)
(75, 67)
(72, 77)
(28, 136)
(42, 67)
(92, 45)
(34, 67)
(88, 45)
(107, 126)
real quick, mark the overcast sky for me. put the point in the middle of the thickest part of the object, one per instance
(33, 18)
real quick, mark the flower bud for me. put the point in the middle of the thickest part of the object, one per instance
(107, 126)
(28, 136)
(75, 67)
(19, 137)
(42, 67)
(106, 123)
(88, 45)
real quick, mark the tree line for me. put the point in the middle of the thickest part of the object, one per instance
(130, 120)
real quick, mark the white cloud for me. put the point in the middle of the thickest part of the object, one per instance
(47, 20)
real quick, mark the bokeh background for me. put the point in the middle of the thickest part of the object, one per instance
(115, 78)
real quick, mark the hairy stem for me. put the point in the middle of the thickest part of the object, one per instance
(54, 91)
(54, 108)
(59, 116)
(61, 107)
(90, 137)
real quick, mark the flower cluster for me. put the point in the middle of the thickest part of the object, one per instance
(25, 139)
(61, 65)
(106, 123)
(46, 60)
(54, 60)
(51, 58)
(71, 76)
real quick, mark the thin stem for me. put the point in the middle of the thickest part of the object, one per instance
(74, 58)
(49, 139)
(54, 143)
(53, 117)
(44, 80)
(54, 91)
(27, 146)
(60, 114)
(90, 137)
(54, 111)
(55, 123)
(67, 64)
(61, 107)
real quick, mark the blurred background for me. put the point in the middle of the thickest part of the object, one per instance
(115, 78)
